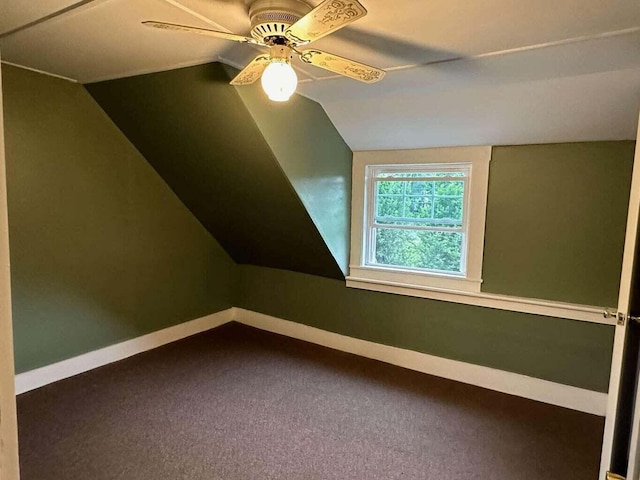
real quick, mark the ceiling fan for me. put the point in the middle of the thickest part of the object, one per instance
(284, 26)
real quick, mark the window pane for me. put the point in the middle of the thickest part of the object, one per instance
(386, 188)
(448, 208)
(418, 207)
(427, 204)
(389, 206)
(418, 249)
(449, 188)
(418, 188)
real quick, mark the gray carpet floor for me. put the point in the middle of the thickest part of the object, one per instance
(239, 403)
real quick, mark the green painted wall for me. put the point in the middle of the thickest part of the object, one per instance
(314, 157)
(556, 217)
(569, 352)
(195, 130)
(101, 248)
(80, 195)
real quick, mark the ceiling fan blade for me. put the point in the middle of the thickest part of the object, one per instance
(201, 31)
(343, 66)
(252, 71)
(327, 17)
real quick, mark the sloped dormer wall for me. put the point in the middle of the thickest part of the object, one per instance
(199, 135)
(315, 158)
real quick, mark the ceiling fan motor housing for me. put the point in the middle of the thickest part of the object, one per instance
(271, 18)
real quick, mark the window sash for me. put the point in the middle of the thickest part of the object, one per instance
(459, 272)
(376, 170)
(377, 178)
(424, 228)
(375, 196)
(372, 223)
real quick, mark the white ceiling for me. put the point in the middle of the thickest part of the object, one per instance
(459, 72)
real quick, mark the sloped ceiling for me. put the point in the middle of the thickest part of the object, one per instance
(459, 73)
(582, 91)
(194, 129)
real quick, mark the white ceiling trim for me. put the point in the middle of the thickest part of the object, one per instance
(61, 77)
(510, 51)
(82, 5)
(190, 11)
(174, 66)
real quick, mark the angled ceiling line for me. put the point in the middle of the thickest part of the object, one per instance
(43, 72)
(51, 16)
(199, 16)
(217, 26)
(556, 43)
(146, 71)
(539, 46)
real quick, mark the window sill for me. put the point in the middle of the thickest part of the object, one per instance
(586, 313)
(415, 280)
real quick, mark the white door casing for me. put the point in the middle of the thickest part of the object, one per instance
(633, 471)
(8, 422)
(624, 300)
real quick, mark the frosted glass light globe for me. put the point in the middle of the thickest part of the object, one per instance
(279, 81)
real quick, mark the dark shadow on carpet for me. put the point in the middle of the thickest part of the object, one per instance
(238, 403)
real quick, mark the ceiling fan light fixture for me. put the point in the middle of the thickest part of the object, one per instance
(279, 80)
(283, 26)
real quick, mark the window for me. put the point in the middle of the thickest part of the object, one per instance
(418, 218)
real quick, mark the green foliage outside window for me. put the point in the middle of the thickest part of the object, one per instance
(434, 204)
(419, 249)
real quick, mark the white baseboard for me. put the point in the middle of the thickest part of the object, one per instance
(512, 383)
(82, 363)
(553, 393)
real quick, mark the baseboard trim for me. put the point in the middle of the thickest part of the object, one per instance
(579, 399)
(83, 363)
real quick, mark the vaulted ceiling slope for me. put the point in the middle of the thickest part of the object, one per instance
(195, 130)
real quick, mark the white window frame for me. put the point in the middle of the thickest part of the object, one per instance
(409, 281)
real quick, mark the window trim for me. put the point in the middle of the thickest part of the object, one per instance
(375, 276)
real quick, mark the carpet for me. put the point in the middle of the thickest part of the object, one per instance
(239, 403)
